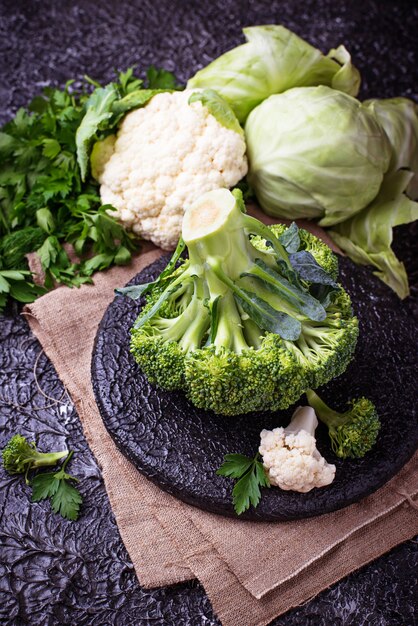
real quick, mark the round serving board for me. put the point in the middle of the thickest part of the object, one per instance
(180, 447)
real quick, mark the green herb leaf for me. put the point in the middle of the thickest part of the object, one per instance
(161, 79)
(44, 486)
(67, 500)
(251, 475)
(45, 220)
(234, 466)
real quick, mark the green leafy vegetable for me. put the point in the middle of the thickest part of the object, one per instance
(161, 79)
(399, 118)
(290, 239)
(272, 61)
(65, 499)
(367, 237)
(300, 169)
(218, 107)
(251, 476)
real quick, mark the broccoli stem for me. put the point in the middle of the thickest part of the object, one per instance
(42, 459)
(328, 416)
(229, 333)
(213, 229)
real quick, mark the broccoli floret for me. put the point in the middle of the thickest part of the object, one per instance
(20, 456)
(352, 433)
(235, 326)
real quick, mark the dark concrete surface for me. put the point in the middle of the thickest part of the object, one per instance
(53, 572)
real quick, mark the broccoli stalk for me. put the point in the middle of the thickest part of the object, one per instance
(352, 433)
(236, 325)
(20, 456)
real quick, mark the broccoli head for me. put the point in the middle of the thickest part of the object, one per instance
(20, 456)
(352, 433)
(250, 320)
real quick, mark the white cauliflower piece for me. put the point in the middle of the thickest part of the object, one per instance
(166, 155)
(290, 456)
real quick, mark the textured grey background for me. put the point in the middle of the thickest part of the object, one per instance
(53, 572)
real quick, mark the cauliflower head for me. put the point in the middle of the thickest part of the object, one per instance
(164, 156)
(290, 456)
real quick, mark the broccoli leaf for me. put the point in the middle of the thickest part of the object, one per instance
(266, 317)
(309, 269)
(290, 239)
(251, 475)
(142, 319)
(214, 320)
(136, 291)
(297, 296)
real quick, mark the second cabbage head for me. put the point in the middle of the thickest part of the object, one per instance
(315, 152)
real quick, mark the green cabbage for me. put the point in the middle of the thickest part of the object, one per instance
(366, 238)
(315, 152)
(273, 60)
(399, 118)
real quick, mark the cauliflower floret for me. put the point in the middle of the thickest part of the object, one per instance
(290, 456)
(166, 155)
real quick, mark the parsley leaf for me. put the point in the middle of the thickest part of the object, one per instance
(251, 475)
(65, 499)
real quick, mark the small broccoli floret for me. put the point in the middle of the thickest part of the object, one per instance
(352, 433)
(237, 326)
(20, 456)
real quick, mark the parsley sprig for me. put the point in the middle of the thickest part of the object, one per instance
(65, 499)
(251, 476)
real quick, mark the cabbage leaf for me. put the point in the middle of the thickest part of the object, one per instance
(367, 237)
(271, 61)
(399, 118)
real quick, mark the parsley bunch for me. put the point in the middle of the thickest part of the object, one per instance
(47, 201)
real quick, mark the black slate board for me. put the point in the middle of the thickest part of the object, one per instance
(180, 447)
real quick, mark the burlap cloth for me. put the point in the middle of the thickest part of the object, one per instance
(251, 572)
